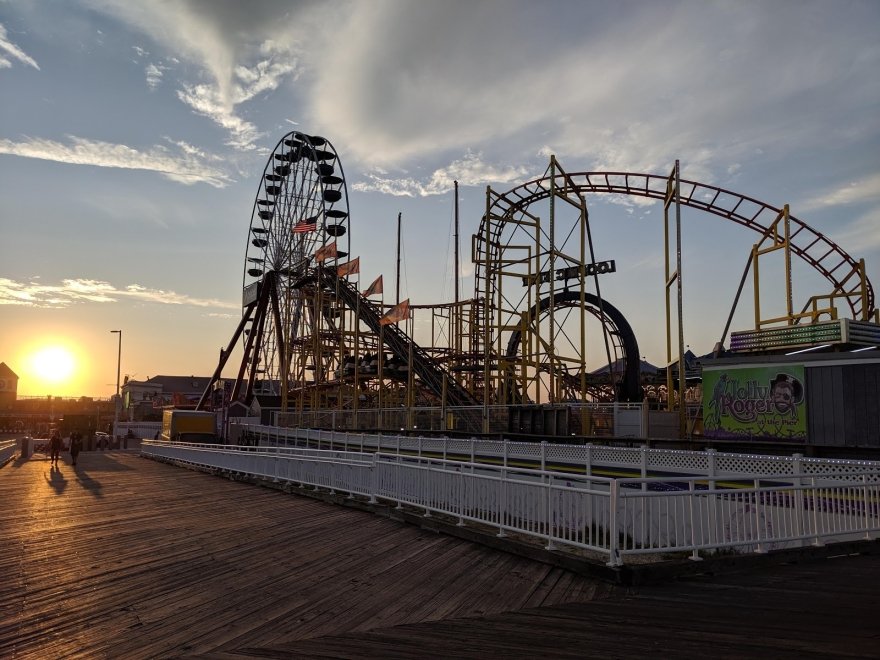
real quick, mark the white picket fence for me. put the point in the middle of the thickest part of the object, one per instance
(588, 458)
(616, 518)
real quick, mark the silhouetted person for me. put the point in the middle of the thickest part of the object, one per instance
(55, 445)
(75, 445)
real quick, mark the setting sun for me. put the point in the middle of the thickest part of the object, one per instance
(54, 364)
(50, 369)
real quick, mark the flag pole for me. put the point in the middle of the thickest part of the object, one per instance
(357, 360)
(379, 371)
(399, 214)
(409, 372)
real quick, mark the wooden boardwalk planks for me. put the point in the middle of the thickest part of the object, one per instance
(126, 557)
(823, 609)
(129, 558)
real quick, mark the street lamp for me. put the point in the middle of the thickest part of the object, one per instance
(118, 369)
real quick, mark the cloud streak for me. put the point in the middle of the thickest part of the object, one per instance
(244, 51)
(76, 291)
(635, 88)
(864, 190)
(6, 46)
(468, 171)
(189, 167)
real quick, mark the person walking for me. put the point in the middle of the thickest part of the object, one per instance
(55, 445)
(75, 445)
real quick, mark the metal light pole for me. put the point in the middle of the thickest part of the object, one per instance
(118, 370)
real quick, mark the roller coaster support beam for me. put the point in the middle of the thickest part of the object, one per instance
(224, 356)
(673, 196)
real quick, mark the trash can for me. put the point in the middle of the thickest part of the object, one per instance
(26, 447)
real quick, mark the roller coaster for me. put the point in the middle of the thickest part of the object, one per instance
(316, 344)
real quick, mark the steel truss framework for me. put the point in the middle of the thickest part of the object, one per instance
(317, 341)
(502, 254)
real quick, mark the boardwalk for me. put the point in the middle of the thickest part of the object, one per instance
(125, 557)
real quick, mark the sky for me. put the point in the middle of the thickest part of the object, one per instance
(133, 137)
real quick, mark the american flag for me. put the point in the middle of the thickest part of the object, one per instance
(305, 225)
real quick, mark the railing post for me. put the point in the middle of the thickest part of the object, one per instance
(644, 457)
(695, 554)
(445, 447)
(613, 535)
(461, 502)
(818, 539)
(760, 547)
(332, 477)
(798, 497)
(712, 469)
(548, 490)
(588, 467)
(502, 504)
(374, 480)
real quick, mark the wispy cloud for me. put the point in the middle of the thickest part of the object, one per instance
(862, 197)
(154, 73)
(470, 170)
(188, 167)
(6, 46)
(74, 291)
(866, 189)
(862, 233)
(243, 52)
(679, 88)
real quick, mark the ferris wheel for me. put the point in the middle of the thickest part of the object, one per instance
(301, 206)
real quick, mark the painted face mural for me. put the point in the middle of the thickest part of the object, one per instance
(755, 402)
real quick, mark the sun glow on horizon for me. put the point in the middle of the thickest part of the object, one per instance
(51, 368)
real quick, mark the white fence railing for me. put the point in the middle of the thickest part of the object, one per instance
(614, 517)
(641, 461)
(754, 514)
(7, 451)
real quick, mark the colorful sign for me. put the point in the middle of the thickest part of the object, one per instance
(755, 403)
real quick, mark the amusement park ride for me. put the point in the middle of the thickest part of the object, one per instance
(316, 342)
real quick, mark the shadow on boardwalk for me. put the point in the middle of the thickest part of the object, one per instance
(133, 558)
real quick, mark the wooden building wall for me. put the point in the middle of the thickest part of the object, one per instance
(843, 405)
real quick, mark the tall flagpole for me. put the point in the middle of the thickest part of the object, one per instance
(398, 258)
(456, 242)
(456, 310)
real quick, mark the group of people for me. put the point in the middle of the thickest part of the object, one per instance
(56, 444)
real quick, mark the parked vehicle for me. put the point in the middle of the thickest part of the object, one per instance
(189, 426)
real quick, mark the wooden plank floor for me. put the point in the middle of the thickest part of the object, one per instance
(128, 558)
(820, 609)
